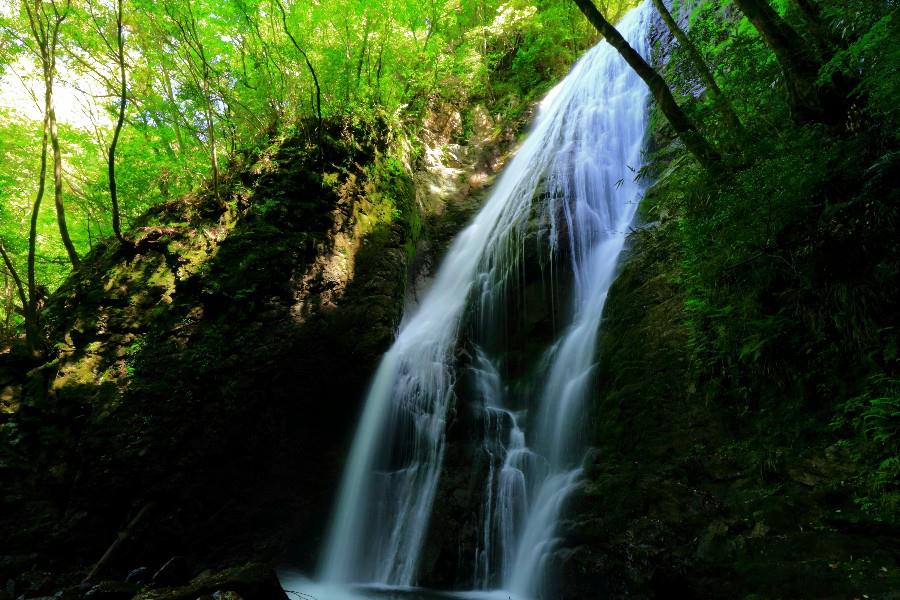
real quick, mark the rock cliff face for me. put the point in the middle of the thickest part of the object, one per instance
(211, 375)
(684, 498)
(202, 388)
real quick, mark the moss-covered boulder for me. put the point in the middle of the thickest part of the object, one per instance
(214, 370)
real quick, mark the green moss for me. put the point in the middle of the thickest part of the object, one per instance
(708, 423)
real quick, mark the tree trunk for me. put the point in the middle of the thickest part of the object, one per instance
(201, 75)
(29, 323)
(692, 138)
(363, 51)
(379, 64)
(800, 70)
(309, 65)
(10, 267)
(45, 29)
(812, 16)
(719, 99)
(173, 108)
(113, 189)
(207, 91)
(31, 307)
(58, 180)
(10, 297)
(211, 127)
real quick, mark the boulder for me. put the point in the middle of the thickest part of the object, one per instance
(174, 572)
(138, 575)
(251, 581)
(112, 590)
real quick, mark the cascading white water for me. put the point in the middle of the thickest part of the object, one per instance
(576, 173)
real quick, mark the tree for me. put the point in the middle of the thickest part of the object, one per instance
(45, 28)
(800, 69)
(693, 140)
(812, 16)
(719, 99)
(309, 64)
(259, 50)
(120, 59)
(194, 52)
(30, 328)
(11, 270)
(30, 309)
(112, 50)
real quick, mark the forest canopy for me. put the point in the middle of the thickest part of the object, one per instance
(205, 83)
(109, 107)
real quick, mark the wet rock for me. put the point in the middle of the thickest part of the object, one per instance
(252, 581)
(112, 590)
(33, 584)
(12, 565)
(76, 592)
(138, 575)
(175, 572)
(452, 539)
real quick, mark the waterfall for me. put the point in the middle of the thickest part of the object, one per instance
(573, 180)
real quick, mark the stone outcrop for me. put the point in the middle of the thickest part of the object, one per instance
(210, 380)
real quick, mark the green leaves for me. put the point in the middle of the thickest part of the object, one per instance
(214, 81)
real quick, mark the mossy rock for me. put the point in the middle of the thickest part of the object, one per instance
(251, 581)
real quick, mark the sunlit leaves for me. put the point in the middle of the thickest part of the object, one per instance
(198, 68)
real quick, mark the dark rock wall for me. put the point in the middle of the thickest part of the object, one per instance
(204, 388)
(682, 497)
(214, 375)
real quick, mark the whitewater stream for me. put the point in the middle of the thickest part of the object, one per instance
(574, 182)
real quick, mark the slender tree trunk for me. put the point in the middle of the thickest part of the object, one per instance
(58, 180)
(690, 136)
(10, 307)
(379, 64)
(113, 188)
(207, 92)
(800, 69)
(309, 64)
(211, 128)
(7, 261)
(45, 28)
(31, 308)
(363, 51)
(28, 310)
(41, 28)
(173, 107)
(719, 98)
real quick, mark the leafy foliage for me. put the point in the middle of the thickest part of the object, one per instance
(789, 264)
(210, 83)
(790, 267)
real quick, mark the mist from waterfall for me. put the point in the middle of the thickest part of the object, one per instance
(571, 188)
